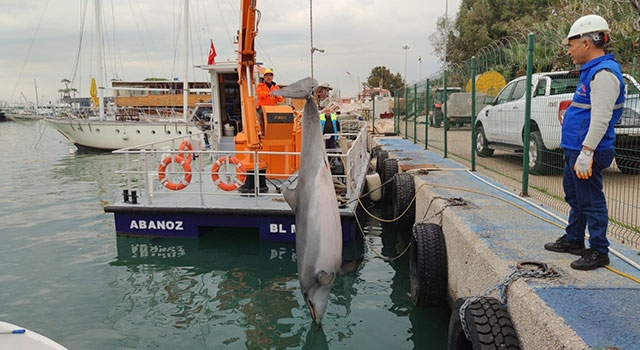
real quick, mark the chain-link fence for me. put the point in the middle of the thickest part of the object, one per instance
(495, 115)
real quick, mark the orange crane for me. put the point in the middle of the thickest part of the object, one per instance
(276, 129)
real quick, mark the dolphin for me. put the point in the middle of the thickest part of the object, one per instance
(318, 229)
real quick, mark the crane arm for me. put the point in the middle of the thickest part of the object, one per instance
(250, 17)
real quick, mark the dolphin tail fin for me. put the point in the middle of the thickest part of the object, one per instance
(303, 88)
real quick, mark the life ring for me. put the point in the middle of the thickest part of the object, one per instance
(186, 145)
(237, 181)
(428, 265)
(162, 173)
(488, 323)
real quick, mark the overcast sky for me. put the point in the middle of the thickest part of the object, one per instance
(43, 41)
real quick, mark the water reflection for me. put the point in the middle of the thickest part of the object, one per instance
(229, 286)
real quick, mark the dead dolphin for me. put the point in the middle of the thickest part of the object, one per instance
(318, 229)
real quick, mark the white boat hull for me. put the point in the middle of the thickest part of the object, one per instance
(112, 135)
(16, 337)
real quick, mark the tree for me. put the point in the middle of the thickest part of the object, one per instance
(382, 77)
(482, 22)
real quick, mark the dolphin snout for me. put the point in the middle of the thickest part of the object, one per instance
(317, 301)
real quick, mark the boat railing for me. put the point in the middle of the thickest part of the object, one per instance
(186, 167)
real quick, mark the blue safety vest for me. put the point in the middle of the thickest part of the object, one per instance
(577, 118)
(334, 121)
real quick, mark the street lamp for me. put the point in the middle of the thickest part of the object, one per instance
(405, 48)
(420, 60)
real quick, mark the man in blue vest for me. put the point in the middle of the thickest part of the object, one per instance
(329, 128)
(587, 138)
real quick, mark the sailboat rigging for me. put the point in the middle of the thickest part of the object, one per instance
(133, 125)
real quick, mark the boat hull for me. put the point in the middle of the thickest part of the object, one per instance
(185, 222)
(111, 135)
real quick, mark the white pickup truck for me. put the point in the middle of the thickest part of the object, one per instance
(500, 124)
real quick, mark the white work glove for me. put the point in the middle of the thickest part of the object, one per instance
(583, 166)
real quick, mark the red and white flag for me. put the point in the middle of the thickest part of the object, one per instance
(212, 54)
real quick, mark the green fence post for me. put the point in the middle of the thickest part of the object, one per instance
(396, 112)
(444, 111)
(473, 113)
(527, 118)
(373, 114)
(415, 113)
(426, 111)
(406, 117)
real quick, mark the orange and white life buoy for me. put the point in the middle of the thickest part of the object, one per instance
(186, 145)
(162, 173)
(233, 183)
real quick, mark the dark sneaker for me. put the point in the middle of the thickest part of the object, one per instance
(591, 260)
(563, 245)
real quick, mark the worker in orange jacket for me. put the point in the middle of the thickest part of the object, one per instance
(265, 88)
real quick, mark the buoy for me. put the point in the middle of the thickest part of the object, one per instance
(374, 186)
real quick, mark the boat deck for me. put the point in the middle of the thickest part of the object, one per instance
(149, 208)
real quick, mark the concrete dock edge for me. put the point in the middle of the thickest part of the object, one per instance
(487, 237)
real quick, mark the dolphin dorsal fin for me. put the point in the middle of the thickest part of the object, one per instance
(325, 278)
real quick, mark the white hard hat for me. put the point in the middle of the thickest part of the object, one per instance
(326, 86)
(585, 25)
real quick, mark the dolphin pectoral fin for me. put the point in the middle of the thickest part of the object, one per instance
(289, 193)
(325, 278)
(349, 266)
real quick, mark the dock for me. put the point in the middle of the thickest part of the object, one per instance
(489, 231)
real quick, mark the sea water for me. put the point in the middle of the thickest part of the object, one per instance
(65, 274)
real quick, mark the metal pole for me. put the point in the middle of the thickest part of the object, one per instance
(444, 112)
(473, 112)
(100, 62)
(426, 121)
(527, 118)
(405, 48)
(185, 83)
(415, 113)
(311, 33)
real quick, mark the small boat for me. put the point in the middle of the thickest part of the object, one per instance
(16, 337)
(188, 187)
(109, 135)
(4, 118)
(139, 114)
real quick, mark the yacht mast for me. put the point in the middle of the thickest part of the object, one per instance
(100, 61)
(185, 88)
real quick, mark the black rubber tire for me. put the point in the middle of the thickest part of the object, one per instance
(374, 152)
(489, 323)
(541, 160)
(438, 118)
(380, 158)
(428, 265)
(482, 145)
(389, 170)
(404, 189)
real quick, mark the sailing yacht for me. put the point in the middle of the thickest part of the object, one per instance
(120, 129)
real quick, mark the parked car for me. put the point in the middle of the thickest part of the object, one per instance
(500, 125)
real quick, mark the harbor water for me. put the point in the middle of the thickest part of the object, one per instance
(66, 275)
